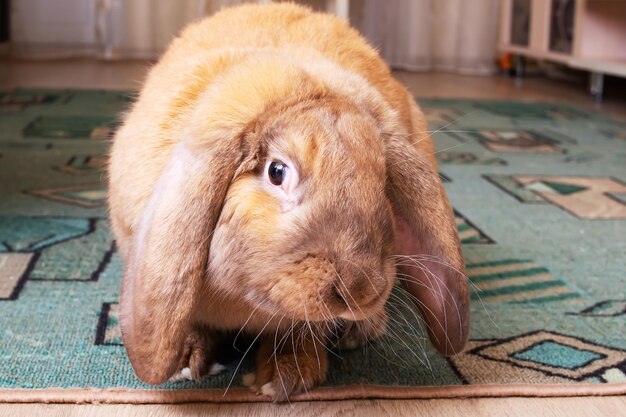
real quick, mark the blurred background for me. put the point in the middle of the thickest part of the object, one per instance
(581, 42)
(414, 35)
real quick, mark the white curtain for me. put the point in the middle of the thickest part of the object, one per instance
(423, 35)
(142, 28)
(109, 29)
(418, 35)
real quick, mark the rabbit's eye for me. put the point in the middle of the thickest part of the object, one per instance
(283, 175)
(277, 172)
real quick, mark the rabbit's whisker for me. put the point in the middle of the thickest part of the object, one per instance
(329, 321)
(248, 350)
(349, 294)
(242, 328)
(411, 279)
(439, 282)
(278, 346)
(396, 298)
(472, 285)
(295, 359)
(421, 157)
(396, 328)
(427, 133)
(391, 333)
(280, 376)
(385, 345)
(418, 337)
(306, 315)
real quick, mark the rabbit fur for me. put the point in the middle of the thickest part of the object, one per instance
(210, 244)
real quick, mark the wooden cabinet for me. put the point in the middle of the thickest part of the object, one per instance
(584, 34)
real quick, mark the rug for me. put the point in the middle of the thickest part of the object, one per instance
(539, 195)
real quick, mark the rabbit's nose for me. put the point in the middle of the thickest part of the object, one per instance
(357, 289)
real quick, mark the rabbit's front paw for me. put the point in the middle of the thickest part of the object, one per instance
(197, 360)
(289, 370)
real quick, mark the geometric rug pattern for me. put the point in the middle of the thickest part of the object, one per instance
(539, 192)
(545, 356)
(516, 280)
(583, 197)
(85, 195)
(525, 141)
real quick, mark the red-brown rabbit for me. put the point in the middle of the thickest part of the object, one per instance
(273, 178)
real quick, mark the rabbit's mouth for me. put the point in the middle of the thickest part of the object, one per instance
(364, 310)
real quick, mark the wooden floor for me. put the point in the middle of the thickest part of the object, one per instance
(128, 75)
(501, 407)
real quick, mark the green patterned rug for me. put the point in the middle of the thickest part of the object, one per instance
(540, 197)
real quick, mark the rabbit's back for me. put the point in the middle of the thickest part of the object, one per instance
(291, 25)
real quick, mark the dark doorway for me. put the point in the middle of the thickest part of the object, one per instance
(4, 21)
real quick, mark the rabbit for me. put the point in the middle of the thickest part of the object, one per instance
(274, 179)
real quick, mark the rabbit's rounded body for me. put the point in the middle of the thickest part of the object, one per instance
(209, 243)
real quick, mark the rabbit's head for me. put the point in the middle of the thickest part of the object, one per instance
(307, 230)
(297, 190)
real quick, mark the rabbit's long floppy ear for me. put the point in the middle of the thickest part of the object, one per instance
(429, 255)
(166, 266)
